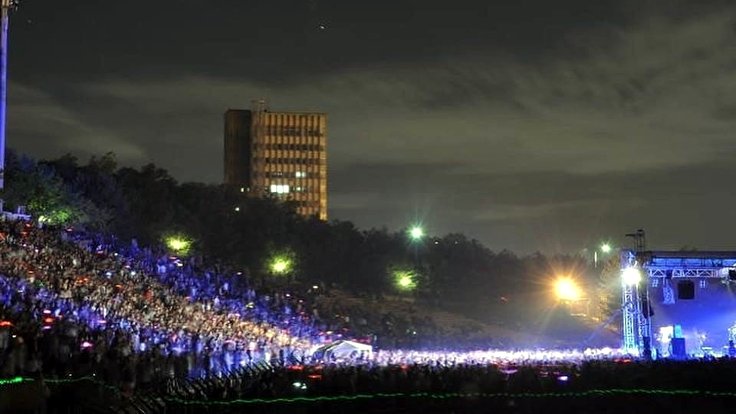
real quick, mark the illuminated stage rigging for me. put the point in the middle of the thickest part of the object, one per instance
(666, 296)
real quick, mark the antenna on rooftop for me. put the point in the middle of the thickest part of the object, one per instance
(259, 105)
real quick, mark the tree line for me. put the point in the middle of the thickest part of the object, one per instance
(147, 204)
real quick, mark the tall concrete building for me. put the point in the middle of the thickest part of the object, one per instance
(278, 154)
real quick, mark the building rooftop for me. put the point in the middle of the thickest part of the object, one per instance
(282, 112)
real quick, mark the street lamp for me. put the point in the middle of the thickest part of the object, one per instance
(416, 233)
(605, 249)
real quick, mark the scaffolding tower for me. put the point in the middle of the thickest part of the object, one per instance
(6, 6)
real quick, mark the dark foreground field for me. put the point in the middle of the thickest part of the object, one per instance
(89, 397)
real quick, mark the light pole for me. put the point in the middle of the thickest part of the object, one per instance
(605, 249)
(416, 234)
(5, 5)
(408, 281)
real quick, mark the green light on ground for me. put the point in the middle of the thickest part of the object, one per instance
(405, 280)
(178, 244)
(280, 265)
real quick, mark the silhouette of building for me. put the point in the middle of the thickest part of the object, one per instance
(278, 154)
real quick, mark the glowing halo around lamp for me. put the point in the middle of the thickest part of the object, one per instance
(405, 280)
(178, 244)
(567, 290)
(280, 265)
(416, 233)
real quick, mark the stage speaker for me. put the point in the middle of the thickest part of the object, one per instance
(686, 289)
(678, 348)
(732, 275)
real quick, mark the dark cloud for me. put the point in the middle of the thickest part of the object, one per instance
(528, 124)
(270, 38)
(561, 211)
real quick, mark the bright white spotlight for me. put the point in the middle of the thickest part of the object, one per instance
(631, 276)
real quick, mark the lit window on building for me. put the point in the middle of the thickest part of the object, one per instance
(280, 188)
(300, 174)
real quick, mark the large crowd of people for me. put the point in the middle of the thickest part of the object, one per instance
(76, 306)
(94, 300)
(76, 303)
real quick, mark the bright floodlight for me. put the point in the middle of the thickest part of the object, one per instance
(606, 248)
(178, 244)
(416, 233)
(567, 289)
(631, 276)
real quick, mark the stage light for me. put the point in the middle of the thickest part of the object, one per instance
(631, 276)
(566, 289)
(606, 248)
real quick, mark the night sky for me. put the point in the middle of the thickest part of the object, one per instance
(529, 125)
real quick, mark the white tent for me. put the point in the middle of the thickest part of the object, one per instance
(343, 350)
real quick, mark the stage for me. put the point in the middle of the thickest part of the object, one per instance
(678, 304)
